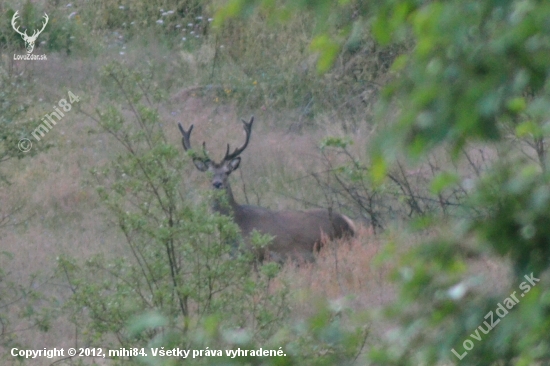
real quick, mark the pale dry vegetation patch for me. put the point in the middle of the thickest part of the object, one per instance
(344, 270)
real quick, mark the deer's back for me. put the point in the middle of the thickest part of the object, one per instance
(296, 233)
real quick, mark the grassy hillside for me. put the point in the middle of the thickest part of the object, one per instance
(106, 237)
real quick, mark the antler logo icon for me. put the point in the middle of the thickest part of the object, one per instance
(29, 40)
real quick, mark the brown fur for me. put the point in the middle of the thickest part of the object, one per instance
(297, 234)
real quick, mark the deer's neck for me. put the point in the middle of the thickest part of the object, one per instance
(226, 205)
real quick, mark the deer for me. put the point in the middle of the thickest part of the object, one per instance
(29, 40)
(296, 234)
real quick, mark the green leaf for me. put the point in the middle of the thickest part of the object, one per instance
(378, 169)
(399, 63)
(516, 105)
(335, 142)
(443, 180)
(528, 128)
(328, 51)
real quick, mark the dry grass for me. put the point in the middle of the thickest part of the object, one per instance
(343, 271)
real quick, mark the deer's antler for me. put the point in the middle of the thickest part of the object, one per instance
(15, 16)
(35, 34)
(186, 142)
(248, 131)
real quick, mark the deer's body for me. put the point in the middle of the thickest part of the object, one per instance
(296, 234)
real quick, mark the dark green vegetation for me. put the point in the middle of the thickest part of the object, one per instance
(448, 102)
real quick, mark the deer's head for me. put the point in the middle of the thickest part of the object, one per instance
(29, 40)
(220, 171)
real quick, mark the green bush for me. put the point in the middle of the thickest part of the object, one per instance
(478, 73)
(178, 262)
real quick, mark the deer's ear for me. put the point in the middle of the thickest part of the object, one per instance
(234, 164)
(201, 165)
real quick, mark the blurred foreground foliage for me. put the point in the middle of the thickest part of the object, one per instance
(478, 74)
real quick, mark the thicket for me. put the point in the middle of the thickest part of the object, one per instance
(477, 75)
(180, 267)
(16, 300)
(461, 89)
(182, 285)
